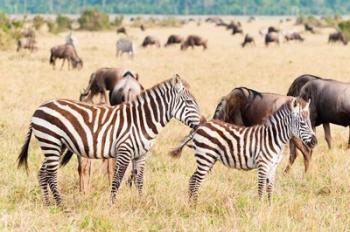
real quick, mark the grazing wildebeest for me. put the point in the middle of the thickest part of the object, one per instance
(271, 37)
(293, 36)
(26, 43)
(150, 40)
(309, 27)
(337, 37)
(125, 90)
(65, 52)
(121, 30)
(173, 39)
(237, 30)
(194, 40)
(71, 40)
(28, 33)
(272, 29)
(248, 40)
(124, 45)
(330, 101)
(247, 107)
(101, 81)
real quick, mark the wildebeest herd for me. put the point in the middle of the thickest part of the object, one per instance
(248, 129)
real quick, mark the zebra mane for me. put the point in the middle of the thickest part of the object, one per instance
(271, 119)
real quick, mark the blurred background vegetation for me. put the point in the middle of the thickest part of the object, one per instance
(238, 7)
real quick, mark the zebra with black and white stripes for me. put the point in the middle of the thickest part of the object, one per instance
(245, 148)
(125, 132)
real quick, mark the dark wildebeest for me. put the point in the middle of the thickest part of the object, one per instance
(271, 37)
(173, 39)
(272, 29)
(121, 30)
(337, 37)
(194, 40)
(65, 52)
(26, 43)
(101, 81)
(293, 36)
(125, 90)
(309, 27)
(237, 30)
(247, 107)
(150, 40)
(329, 101)
(142, 27)
(248, 40)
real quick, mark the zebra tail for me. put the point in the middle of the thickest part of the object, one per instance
(67, 156)
(23, 156)
(176, 152)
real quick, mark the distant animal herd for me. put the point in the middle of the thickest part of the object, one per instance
(248, 129)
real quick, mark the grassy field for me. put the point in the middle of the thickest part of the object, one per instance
(228, 201)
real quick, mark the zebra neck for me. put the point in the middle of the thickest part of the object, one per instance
(277, 130)
(153, 108)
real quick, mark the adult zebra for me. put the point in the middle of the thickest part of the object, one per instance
(257, 147)
(125, 132)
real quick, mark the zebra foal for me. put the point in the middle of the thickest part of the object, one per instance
(245, 148)
(125, 132)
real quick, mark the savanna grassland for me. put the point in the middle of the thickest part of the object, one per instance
(228, 201)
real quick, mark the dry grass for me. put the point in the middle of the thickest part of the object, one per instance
(318, 201)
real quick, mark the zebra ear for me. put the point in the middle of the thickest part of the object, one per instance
(294, 105)
(177, 82)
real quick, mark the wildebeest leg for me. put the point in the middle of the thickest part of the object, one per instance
(292, 156)
(63, 63)
(84, 169)
(349, 138)
(327, 134)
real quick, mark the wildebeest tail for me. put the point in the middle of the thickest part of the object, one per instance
(23, 155)
(88, 88)
(66, 157)
(220, 108)
(298, 83)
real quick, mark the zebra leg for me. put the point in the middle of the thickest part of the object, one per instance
(84, 169)
(203, 167)
(292, 155)
(133, 173)
(121, 165)
(52, 166)
(269, 182)
(43, 182)
(262, 176)
(138, 179)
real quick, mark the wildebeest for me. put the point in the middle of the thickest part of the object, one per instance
(126, 89)
(309, 27)
(293, 36)
(272, 29)
(194, 40)
(248, 40)
(121, 30)
(247, 107)
(271, 37)
(71, 39)
(28, 33)
(337, 37)
(124, 45)
(173, 39)
(150, 40)
(142, 27)
(237, 30)
(329, 101)
(26, 43)
(103, 80)
(251, 19)
(65, 52)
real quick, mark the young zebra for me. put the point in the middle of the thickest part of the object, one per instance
(125, 132)
(257, 147)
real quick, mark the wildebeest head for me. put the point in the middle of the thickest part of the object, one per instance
(78, 64)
